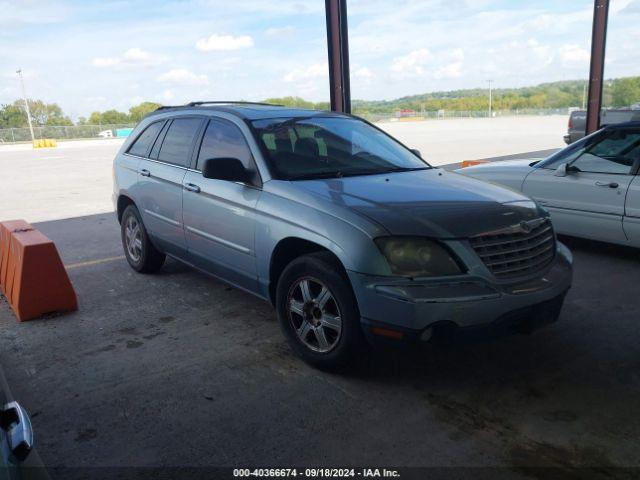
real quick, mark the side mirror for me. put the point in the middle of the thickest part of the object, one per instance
(230, 169)
(416, 152)
(562, 170)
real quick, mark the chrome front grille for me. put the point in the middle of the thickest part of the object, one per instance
(518, 250)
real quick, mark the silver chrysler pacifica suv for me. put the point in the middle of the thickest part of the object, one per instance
(351, 235)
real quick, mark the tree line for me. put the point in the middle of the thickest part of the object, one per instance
(43, 114)
(620, 92)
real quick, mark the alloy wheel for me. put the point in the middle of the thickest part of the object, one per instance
(133, 238)
(314, 314)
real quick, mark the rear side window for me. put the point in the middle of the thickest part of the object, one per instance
(222, 139)
(156, 146)
(141, 145)
(177, 143)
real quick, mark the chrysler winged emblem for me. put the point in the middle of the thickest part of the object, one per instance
(527, 226)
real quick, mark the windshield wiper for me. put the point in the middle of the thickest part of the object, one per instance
(313, 176)
(382, 172)
(407, 169)
(355, 173)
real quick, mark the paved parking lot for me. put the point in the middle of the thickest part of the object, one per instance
(178, 369)
(75, 179)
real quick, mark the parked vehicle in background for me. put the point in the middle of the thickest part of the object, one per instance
(577, 126)
(578, 121)
(117, 133)
(106, 134)
(17, 458)
(591, 188)
(346, 231)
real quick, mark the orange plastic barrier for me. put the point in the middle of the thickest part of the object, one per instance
(5, 239)
(34, 279)
(471, 163)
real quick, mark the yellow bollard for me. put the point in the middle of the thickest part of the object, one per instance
(45, 143)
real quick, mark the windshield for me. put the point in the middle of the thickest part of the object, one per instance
(331, 147)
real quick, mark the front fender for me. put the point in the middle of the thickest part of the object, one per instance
(279, 218)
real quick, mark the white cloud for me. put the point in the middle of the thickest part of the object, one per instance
(413, 62)
(316, 70)
(30, 13)
(361, 72)
(457, 54)
(423, 63)
(97, 100)
(451, 70)
(132, 57)
(625, 6)
(137, 99)
(224, 43)
(286, 31)
(136, 55)
(182, 76)
(105, 62)
(572, 53)
(561, 22)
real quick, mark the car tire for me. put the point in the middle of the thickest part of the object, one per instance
(140, 252)
(323, 324)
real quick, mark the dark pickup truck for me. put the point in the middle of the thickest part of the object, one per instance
(578, 120)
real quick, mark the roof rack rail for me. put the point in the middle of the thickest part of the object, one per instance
(220, 102)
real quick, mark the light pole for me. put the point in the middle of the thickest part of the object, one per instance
(26, 104)
(490, 99)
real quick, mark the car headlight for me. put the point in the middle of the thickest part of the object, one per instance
(417, 257)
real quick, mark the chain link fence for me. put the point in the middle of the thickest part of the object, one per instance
(393, 115)
(15, 135)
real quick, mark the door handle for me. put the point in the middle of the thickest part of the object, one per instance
(607, 184)
(192, 187)
(145, 173)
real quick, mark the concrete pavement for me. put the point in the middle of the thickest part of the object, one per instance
(178, 369)
(75, 179)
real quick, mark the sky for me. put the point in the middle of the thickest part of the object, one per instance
(95, 55)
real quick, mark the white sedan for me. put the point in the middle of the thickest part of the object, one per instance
(591, 188)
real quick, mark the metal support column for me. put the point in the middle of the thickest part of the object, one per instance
(596, 71)
(338, 49)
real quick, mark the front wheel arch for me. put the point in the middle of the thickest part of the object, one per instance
(289, 249)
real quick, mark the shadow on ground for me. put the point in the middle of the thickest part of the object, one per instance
(178, 369)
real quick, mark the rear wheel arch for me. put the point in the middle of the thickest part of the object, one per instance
(123, 202)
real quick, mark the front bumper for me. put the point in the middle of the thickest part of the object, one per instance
(413, 307)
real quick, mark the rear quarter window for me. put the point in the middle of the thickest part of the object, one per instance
(177, 143)
(141, 145)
